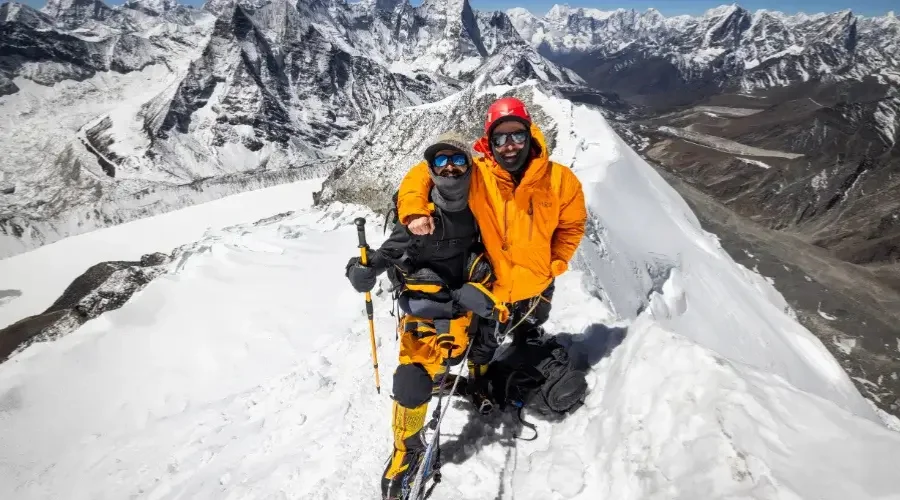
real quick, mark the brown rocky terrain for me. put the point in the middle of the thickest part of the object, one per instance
(814, 166)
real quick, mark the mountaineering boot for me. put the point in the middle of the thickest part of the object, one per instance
(478, 388)
(409, 445)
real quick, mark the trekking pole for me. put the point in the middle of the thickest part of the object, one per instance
(361, 232)
(416, 491)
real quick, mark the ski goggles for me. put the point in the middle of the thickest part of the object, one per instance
(457, 159)
(517, 138)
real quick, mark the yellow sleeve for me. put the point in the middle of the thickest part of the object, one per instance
(412, 196)
(572, 218)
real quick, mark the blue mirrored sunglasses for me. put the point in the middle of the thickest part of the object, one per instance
(517, 137)
(458, 159)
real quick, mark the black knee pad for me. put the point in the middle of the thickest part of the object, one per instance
(412, 385)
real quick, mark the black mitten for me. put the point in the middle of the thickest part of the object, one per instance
(476, 298)
(361, 277)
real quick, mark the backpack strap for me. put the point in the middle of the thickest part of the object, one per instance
(392, 213)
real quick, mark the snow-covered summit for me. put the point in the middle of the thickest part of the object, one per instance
(645, 270)
(702, 385)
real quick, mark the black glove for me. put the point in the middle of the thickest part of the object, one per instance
(476, 298)
(361, 277)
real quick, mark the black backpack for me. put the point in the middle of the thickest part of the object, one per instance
(538, 373)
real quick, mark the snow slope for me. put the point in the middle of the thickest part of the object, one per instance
(39, 276)
(246, 372)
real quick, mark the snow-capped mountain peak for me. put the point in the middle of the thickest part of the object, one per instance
(747, 46)
(167, 114)
(559, 11)
(159, 6)
(21, 13)
(54, 7)
(514, 12)
(447, 6)
(260, 88)
(219, 7)
(383, 5)
(78, 10)
(724, 10)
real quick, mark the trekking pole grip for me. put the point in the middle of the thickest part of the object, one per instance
(361, 234)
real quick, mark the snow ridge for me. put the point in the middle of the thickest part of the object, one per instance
(608, 254)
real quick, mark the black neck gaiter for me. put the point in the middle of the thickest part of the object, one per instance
(451, 193)
(516, 164)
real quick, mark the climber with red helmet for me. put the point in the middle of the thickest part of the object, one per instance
(531, 215)
(507, 126)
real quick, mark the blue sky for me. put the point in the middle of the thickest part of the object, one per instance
(667, 7)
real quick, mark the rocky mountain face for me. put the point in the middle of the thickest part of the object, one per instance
(87, 37)
(122, 112)
(102, 287)
(798, 115)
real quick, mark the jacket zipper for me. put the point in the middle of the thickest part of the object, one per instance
(505, 225)
(530, 217)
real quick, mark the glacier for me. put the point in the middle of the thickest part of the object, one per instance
(245, 370)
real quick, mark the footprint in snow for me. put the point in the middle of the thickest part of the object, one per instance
(551, 472)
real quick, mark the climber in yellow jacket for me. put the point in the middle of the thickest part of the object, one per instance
(530, 211)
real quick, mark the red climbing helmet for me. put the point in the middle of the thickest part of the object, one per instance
(506, 106)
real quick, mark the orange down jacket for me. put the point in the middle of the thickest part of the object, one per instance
(530, 232)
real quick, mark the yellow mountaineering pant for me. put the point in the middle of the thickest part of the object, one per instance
(429, 342)
(425, 346)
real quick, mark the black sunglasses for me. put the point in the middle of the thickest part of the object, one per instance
(517, 137)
